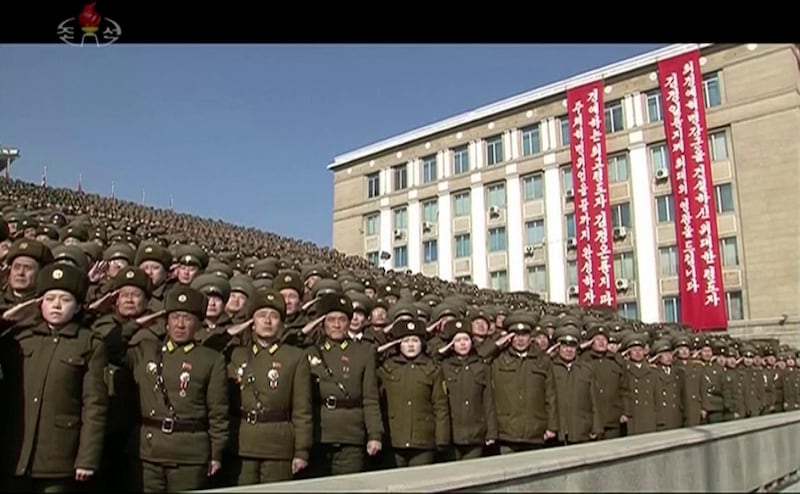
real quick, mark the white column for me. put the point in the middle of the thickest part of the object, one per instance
(386, 229)
(555, 132)
(445, 239)
(414, 173)
(644, 234)
(554, 237)
(414, 236)
(544, 132)
(478, 233)
(507, 153)
(638, 109)
(516, 258)
(443, 163)
(384, 177)
(514, 137)
(476, 154)
(627, 108)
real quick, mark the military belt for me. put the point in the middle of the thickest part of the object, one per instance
(262, 416)
(332, 403)
(168, 425)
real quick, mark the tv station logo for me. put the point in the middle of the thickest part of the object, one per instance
(88, 28)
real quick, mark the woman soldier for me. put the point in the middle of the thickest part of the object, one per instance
(472, 412)
(55, 435)
(416, 397)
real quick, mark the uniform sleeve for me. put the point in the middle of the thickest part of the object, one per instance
(625, 393)
(372, 409)
(551, 399)
(302, 409)
(441, 409)
(217, 405)
(490, 410)
(94, 410)
(598, 425)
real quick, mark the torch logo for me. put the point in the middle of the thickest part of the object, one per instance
(89, 27)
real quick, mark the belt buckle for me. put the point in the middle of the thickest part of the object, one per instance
(330, 402)
(252, 417)
(167, 425)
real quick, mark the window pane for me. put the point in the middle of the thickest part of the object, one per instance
(533, 187)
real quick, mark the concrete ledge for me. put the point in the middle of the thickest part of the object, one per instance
(740, 456)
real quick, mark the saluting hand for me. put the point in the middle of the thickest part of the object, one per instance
(22, 311)
(503, 340)
(447, 347)
(308, 304)
(213, 467)
(238, 328)
(435, 326)
(103, 304)
(373, 447)
(490, 442)
(387, 346)
(298, 464)
(98, 271)
(548, 435)
(147, 319)
(82, 474)
(311, 326)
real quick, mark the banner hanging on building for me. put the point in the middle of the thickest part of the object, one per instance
(699, 269)
(595, 261)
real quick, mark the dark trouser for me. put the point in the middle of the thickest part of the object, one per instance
(255, 471)
(508, 448)
(336, 459)
(173, 478)
(715, 417)
(467, 452)
(612, 432)
(28, 484)
(413, 457)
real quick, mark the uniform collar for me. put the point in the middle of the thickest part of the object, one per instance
(329, 344)
(255, 348)
(70, 329)
(171, 346)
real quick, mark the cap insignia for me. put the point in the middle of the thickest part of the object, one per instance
(410, 326)
(287, 278)
(182, 298)
(130, 274)
(23, 245)
(58, 274)
(270, 297)
(148, 249)
(458, 324)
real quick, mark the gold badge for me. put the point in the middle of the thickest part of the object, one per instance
(182, 298)
(287, 278)
(23, 246)
(520, 326)
(148, 249)
(458, 324)
(342, 301)
(187, 258)
(388, 288)
(410, 326)
(130, 274)
(270, 297)
(58, 274)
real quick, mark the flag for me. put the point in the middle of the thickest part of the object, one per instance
(171, 202)
(80, 185)
(142, 197)
(113, 196)
(44, 176)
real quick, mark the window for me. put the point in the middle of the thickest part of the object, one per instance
(531, 140)
(665, 209)
(654, 109)
(566, 177)
(570, 222)
(718, 145)
(533, 187)
(499, 280)
(494, 150)
(627, 310)
(624, 266)
(464, 279)
(400, 177)
(613, 116)
(537, 278)
(400, 256)
(565, 131)
(621, 215)
(373, 258)
(618, 168)
(712, 96)
(460, 160)
(463, 245)
(400, 218)
(430, 211)
(672, 309)
(572, 273)
(496, 195)
(659, 159)
(461, 204)
(497, 239)
(733, 304)
(429, 173)
(723, 195)
(534, 232)
(729, 250)
(430, 251)
(373, 185)
(668, 261)
(372, 224)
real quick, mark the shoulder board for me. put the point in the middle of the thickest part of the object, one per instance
(653, 366)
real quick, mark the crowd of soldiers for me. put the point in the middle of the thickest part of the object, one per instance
(148, 350)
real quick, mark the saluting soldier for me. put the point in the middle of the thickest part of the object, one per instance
(669, 387)
(24, 259)
(719, 392)
(692, 368)
(54, 437)
(752, 384)
(609, 370)
(183, 398)
(348, 416)
(273, 380)
(416, 398)
(217, 290)
(640, 400)
(156, 261)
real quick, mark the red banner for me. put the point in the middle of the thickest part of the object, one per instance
(700, 271)
(590, 182)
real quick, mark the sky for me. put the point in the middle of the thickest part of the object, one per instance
(244, 133)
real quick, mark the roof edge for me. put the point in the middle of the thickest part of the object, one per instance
(605, 72)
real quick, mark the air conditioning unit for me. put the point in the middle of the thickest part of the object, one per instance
(399, 234)
(529, 250)
(662, 174)
(427, 226)
(572, 243)
(570, 194)
(573, 290)
(494, 211)
(622, 284)
(619, 232)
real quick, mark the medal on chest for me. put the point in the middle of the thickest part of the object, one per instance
(240, 374)
(151, 368)
(273, 375)
(184, 378)
(345, 365)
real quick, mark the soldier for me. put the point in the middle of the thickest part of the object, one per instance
(274, 398)
(155, 261)
(416, 396)
(183, 397)
(217, 290)
(609, 371)
(579, 412)
(791, 384)
(719, 392)
(24, 259)
(669, 388)
(242, 290)
(640, 400)
(752, 384)
(348, 415)
(691, 368)
(523, 382)
(56, 438)
(192, 260)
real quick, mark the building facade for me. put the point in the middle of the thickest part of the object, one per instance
(486, 197)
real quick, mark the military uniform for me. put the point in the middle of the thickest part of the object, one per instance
(641, 398)
(720, 395)
(609, 371)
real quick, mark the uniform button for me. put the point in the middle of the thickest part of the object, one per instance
(412, 366)
(636, 401)
(466, 402)
(407, 445)
(55, 340)
(409, 403)
(663, 403)
(601, 390)
(636, 390)
(149, 435)
(152, 413)
(664, 393)
(466, 367)
(36, 399)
